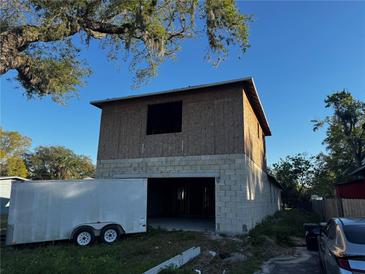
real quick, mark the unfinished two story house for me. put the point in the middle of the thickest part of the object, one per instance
(202, 149)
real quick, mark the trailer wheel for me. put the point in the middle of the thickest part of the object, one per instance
(110, 234)
(84, 236)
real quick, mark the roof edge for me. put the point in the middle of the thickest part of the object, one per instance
(13, 178)
(98, 103)
(258, 108)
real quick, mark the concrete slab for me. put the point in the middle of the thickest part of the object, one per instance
(185, 224)
(176, 261)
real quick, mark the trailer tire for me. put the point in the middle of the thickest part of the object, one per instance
(110, 234)
(84, 236)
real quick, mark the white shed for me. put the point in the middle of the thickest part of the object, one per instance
(5, 190)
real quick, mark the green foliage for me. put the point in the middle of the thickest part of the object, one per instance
(57, 162)
(15, 166)
(225, 27)
(282, 226)
(345, 136)
(37, 37)
(56, 76)
(13, 144)
(295, 173)
(345, 144)
(12, 148)
(324, 177)
(53, 162)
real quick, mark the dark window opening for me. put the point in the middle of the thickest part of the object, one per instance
(164, 118)
(181, 197)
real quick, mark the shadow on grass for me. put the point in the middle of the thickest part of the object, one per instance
(140, 252)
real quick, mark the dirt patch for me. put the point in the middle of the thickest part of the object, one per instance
(222, 237)
(242, 256)
(301, 261)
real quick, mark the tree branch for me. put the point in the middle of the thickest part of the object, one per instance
(106, 28)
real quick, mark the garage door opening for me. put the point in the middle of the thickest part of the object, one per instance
(181, 203)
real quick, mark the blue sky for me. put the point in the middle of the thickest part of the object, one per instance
(300, 52)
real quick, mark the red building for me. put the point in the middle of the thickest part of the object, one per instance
(355, 188)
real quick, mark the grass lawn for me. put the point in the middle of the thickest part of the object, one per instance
(138, 253)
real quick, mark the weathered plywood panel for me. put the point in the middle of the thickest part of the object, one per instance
(254, 139)
(212, 123)
(199, 128)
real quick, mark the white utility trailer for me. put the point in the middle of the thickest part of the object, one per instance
(79, 210)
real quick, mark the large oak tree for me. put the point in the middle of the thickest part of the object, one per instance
(37, 36)
(13, 146)
(58, 163)
(345, 134)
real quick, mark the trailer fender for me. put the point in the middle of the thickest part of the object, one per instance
(120, 228)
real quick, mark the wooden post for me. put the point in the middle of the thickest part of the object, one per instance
(339, 207)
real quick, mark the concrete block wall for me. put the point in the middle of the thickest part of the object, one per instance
(243, 193)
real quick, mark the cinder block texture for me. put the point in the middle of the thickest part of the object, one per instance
(243, 193)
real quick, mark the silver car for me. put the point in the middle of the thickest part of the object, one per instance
(341, 246)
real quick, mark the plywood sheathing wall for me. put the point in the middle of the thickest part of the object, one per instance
(254, 138)
(212, 123)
